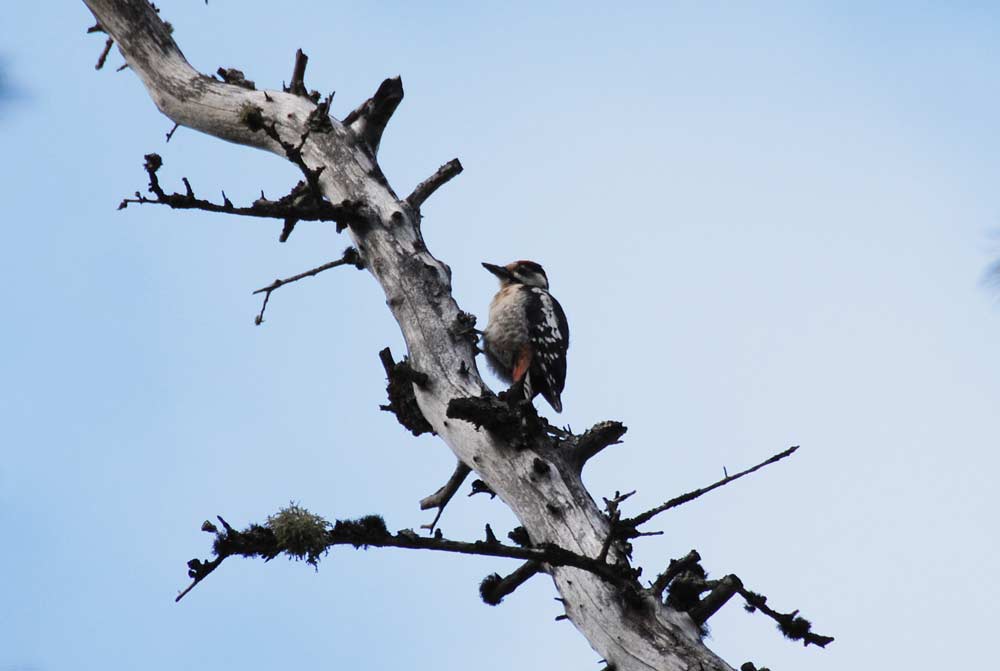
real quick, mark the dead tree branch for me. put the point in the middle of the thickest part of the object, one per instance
(611, 506)
(442, 496)
(350, 257)
(427, 187)
(638, 520)
(591, 442)
(494, 587)
(721, 591)
(305, 536)
(370, 118)
(291, 206)
(791, 624)
(297, 84)
(689, 581)
(102, 59)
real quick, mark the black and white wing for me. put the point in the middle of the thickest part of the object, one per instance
(549, 337)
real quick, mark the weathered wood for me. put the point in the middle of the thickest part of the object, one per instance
(631, 631)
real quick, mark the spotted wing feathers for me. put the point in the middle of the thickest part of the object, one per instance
(549, 337)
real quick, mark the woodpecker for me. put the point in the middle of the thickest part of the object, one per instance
(527, 336)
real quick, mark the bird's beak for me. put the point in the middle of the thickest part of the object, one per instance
(499, 271)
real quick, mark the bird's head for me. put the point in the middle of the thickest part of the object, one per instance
(520, 272)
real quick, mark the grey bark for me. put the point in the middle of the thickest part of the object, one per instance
(553, 509)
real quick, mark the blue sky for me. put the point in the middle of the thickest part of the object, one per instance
(768, 227)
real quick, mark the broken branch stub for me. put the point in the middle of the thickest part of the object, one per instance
(370, 118)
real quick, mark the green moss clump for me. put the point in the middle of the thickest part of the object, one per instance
(300, 533)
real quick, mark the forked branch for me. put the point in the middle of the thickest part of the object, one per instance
(350, 257)
(295, 205)
(688, 581)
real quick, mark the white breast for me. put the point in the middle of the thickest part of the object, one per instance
(507, 330)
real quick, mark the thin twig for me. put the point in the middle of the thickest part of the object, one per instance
(210, 566)
(690, 496)
(104, 53)
(309, 273)
(611, 507)
(294, 154)
(791, 624)
(350, 257)
(612, 534)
